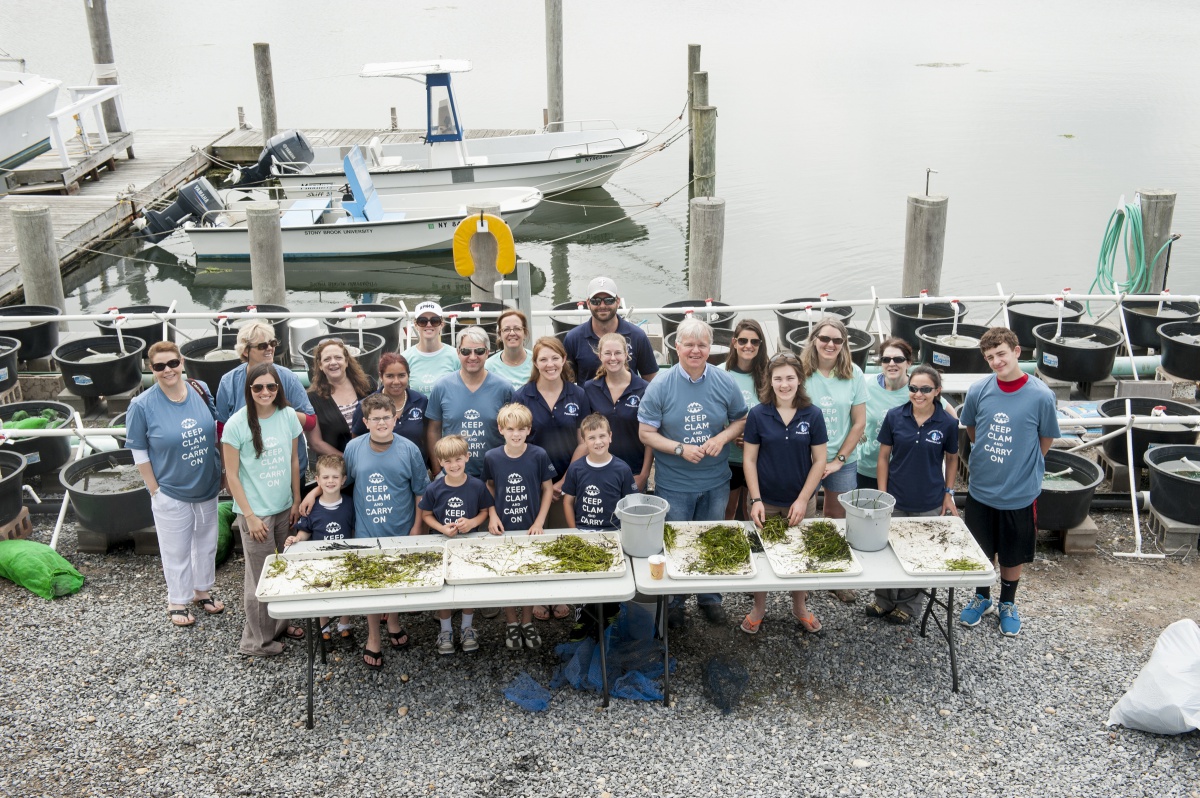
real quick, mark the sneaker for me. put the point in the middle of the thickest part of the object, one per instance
(468, 639)
(1010, 621)
(584, 628)
(714, 613)
(513, 639)
(676, 618)
(533, 640)
(976, 608)
(445, 642)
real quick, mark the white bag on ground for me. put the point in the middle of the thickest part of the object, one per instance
(1165, 697)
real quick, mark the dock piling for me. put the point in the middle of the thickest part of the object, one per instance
(924, 244)
(266, 253)
(1158, 210)
(484, 252)
(704, 150)
(395, 120)
(102, 58)
(693, 67)
(38, 252)
(266, 88)
(706, 243)
(554, 60)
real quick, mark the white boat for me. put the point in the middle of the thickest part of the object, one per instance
(553, 161)
(25, 102)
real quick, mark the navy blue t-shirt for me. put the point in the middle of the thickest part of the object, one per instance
(410, 424)
(596, 491)
(555, 429)
(449, 503)
(915, 474)
(582, 344)
(622, 417)
(518, 483)
(784, 452)
(329, 523)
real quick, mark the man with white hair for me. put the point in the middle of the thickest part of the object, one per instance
(689, 416)
(466, 402)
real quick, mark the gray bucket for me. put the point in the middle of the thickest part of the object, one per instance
(642, 520)
(868, 515)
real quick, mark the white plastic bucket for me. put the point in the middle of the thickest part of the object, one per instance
(868, 515)
(642, 519)
(301, 330)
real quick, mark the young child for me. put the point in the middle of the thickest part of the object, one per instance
(455, 504)
(332, 518)
(521, 478)
(591, 490)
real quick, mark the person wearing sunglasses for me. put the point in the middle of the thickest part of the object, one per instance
(885, 390)
(513, 362)
(583, 342)
(747, 364)
(429, 359)
(261, 443)
(172, 431)
(256, 345)
(917, 464)
(338, 385)
(466, 402)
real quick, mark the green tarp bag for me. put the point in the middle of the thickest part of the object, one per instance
(38, 567)
(225, 516)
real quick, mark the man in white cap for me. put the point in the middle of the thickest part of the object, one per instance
(582, 342)
(429, 359)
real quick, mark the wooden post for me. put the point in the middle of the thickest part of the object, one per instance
(692, 68)
(395, 120)
(266, 253)
(1158, 209)
(266, 89)
(554, 60)
(102, 57)
(924, 243)
(704, 150)
(706, 242)
(484, 251)
(525, 289)
(38, 254)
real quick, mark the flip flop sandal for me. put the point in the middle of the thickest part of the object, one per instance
(375, 655)
(541, 612)
(808, 622)
(209, 606)
(750, 626)
(396, 637)
(294, 632)
(566, 611)
(173, 614)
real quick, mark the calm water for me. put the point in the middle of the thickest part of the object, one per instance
(1039, 117)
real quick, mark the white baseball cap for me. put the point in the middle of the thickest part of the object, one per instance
(428, 307)
(602, 285)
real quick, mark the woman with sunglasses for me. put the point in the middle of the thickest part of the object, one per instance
(429, 359)
(747, 364)
(514, 361)
(338, 385)
(393, 383)
(885, 390)
(918, 464)
(261, 443)
(172, 430)
(616, 393)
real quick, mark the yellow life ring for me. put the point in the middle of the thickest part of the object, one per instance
(506, 256)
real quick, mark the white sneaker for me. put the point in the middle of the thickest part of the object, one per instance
(467, 638)
(445, 642)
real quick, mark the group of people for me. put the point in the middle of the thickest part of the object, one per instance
(455, 438)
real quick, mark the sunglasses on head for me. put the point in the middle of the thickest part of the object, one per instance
(785, 357)
(921, 389)
(749, 341)
(428, 321)
(478, 351)
(173, 363)
(607, 301)
(265, 345)
(829, 339)
(267, 387)
(886, 359)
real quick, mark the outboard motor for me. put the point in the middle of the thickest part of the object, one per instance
(289, 149)
(197, 202)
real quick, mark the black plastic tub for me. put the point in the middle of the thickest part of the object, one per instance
(209, 372)
(1179, 342)
(1143, 437)
(42, 455)
(12, 472)
(907, 319)
(108, 513)
(10, 354)
(345, 325)
(465, 313)
(1143, 318)
(1175, 496)
(119, 421)
(1024, 316)
(1064, 503)
(789, 320)
(571, 315)
(149, 331)
(717, 355)
(715, 318)
(105, 378)
(37, 339)
(963, 358)
(283, 355)
(368, 360)
(860, 343)
(1085, 354)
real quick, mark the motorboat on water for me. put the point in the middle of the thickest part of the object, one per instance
(365, 224)
(555, 161)
(26, 100)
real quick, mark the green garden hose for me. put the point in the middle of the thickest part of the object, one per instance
(1138, 270)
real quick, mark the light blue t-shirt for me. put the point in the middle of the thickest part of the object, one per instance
(387, 486)
(516, 375)
(835, 398)
(691, 413)
(267, 480)
(1006, 459)
(231, 397)
(471, 414)
(181, 439)
(425, 369)
(745, 382)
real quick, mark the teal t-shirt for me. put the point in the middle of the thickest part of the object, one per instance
(267, 480)
(879, 401)
(745, 382)
(516, 375)
(425, 369)
(835, 398)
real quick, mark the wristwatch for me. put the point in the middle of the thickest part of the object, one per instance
(755, 501)
(841, 458)
(950, 491)
(679, 450)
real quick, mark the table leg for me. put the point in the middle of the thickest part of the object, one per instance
(324, 648)
(950, 639)
(932, 593)
(312, 666)
(661, 615)
(599, 611)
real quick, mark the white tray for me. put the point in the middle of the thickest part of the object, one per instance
(787, 560)
(924, 544)
(685, 535)
(286, 587)
(504, 555)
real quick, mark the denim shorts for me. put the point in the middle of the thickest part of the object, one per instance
(843, 480)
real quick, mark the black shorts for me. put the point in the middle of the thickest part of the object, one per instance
(1012, 534)
(737, 477)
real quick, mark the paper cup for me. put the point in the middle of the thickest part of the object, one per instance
(658, 566)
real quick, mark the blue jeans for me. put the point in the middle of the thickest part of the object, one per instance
(707, 506)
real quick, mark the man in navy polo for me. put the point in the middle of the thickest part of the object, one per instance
(583, 341)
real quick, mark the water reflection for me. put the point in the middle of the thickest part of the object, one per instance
(589, 217)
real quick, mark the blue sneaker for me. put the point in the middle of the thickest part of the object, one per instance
(1010, 621)
(976, 608)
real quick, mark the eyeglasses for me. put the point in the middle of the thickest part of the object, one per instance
(885, 359)
(265, 345)
(829, 339)
(380, 420)
(597, 301)
(749, 341)
(478, 351)
(265, 387)
(166, 364)
(926, 389)
(428, 321)
(507, 330)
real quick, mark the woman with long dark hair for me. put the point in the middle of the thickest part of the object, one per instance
(338, 385)
(747, 364)
(394, 383)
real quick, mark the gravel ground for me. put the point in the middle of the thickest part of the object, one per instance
(101, 697)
